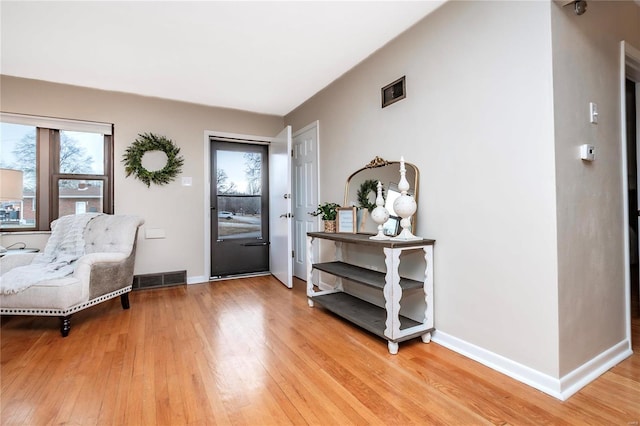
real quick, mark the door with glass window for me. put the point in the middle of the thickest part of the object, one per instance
(239, 209)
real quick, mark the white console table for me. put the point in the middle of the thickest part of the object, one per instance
(385, 322)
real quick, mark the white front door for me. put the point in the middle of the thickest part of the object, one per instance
(281, 264)
(305, 194)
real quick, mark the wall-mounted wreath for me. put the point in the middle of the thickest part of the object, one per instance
(149, 142)
(365, 190)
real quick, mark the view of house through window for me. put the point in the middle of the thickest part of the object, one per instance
(45, 165)
(76, 196)
(18, 162)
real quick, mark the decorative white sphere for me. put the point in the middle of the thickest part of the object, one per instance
(380, 215)
(405, 206)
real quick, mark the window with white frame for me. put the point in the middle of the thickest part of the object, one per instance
(50, 167)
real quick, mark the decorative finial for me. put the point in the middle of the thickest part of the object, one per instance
(404, 206)
(380, 215)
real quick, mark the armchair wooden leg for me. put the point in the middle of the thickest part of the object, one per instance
(65, 325)
(124, 299)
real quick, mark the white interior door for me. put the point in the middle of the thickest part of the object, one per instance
(281, 261)
(305, 194)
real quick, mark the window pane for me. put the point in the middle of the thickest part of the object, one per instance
(80, 196)
(18, 180)
(81, 153)
(239, 187)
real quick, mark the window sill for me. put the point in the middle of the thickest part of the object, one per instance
(6, 233)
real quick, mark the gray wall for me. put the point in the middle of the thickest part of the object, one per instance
(586, 68)
(177, 209)
(478, 123)
(530, 240)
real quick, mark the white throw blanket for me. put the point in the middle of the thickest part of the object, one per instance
(65, 246)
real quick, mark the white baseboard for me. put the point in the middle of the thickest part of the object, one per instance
(197, 280)
(592, 369)
(324, 286)
(561, 388)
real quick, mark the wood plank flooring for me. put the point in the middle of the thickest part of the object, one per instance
(251, 352)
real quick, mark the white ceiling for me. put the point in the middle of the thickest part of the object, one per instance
(266, 57)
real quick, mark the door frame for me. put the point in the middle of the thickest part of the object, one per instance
(315, 124)
(629, 68)
(231, 137)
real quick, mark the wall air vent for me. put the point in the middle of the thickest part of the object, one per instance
(162, 279)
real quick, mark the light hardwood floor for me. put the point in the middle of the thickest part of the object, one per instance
(249, 351)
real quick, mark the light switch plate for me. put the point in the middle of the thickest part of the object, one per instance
(587, 152)
(593, 112)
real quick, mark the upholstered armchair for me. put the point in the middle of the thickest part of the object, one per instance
(102, 269)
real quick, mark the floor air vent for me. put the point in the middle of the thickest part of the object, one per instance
(163, 279)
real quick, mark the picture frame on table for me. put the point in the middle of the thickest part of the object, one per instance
(391, 227)
(346, 220)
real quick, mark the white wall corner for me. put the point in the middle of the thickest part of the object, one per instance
(592, 369)
(561, 389)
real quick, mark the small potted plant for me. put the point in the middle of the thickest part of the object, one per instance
(329, 212)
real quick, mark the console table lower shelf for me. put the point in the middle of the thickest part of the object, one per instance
(364, 314)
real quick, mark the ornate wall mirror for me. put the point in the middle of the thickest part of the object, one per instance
(359, 189)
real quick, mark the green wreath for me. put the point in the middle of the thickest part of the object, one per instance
(363, 194)
(149, 142)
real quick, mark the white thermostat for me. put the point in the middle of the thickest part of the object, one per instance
(587, 152)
